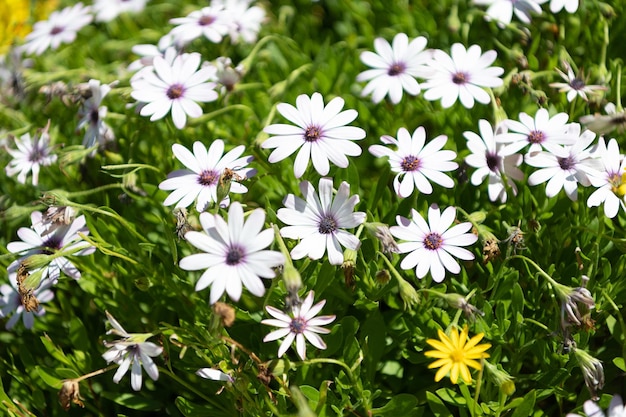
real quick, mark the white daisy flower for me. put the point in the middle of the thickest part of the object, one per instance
(133, 350)
(11, 302)
(214, 375)
(502, 10)
(301, 325)
(245, 20)
(490, 162)
(177, 87)
(30, 156)
(394, 67)
(433, 246)
(92, 115)
(557, 5)
(416, 163)
(564, 167)
(592, 409)
(212, 22)
(107, 10)
(321, 134)
(234, 255)
(611, 182)
(574, 85)
(319, 221)
(205, 169)
(147, 52)
(49, 238)
(61, 27)
(462, 76)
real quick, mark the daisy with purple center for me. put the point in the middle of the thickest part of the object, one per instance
(415, 163)
(212, 22)
(321, 134)
(394, 67)
(575, 85)
(61, 27)
(234, 253)
(301, 325)
(433, 246)
(30, 156)
(462, 76)
(540, 132)
(200, 181)
(175, 86)
(92, 115)
(319, 221)
(611, 182)
(245, 20)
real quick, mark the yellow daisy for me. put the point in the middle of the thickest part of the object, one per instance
(16, 19)
(455, 353)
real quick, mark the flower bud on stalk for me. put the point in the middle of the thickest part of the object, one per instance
(592, 371)
(501, 378)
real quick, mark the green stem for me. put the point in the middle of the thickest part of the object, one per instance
(210, 400)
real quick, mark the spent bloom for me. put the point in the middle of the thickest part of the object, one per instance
(462, 76)
(592, 409)
(318, 221)
(593, 372)
(11, 302)
(415, 162)
(61, 27)
(575, 85)
(321, 134)
(31, 154)
(433, 246)
(92, 115)
(174, 86)
(301, 325)
(205, 172)
(212, 22)
(394, 67)
(131, 350)
(234, 254)
(107, 10)
(502, 10)
(455, 354)
(610, 180)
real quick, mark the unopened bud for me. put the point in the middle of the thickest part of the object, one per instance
(593, 372)
(409, 295)
(501, 378)
(383, 276)
(349, 262)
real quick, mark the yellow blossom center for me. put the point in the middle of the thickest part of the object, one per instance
(618, 184)
(17, 17)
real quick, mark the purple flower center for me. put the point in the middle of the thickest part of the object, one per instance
(36, 154)
(312, 133)
(206, 20)
(208, 178)
(577, 84)
(235, 255)
(94, 116)
(56, 30)
(327, 225)
(396, 69)
(460, 78)
(51, 245)
(566, 163)
(297, 325)
(175, 91)
(493, 161)
(433, 241)
(410, 163)
(536, 136)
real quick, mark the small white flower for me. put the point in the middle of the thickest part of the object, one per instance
(462, 76)
(592, 409)
(30, 156)
(175, 86)
(603, 124)
(214, 374)
(61, 27)
(321, 134)
(575, 85)
(433, 246)
(394, 67)
(92, 115)
(133, 350)
(211, 22)
(611, 182)
(107, 10)
(11, 302)
(234, 255)
(147, 52)
(502, 10)
(416, 163)
(301, 325)
(244, 21)
(564, 167)
(540, 132)
(226, 74)
(488, 157)
(45, 237)
(200, 181)
(557, 5)
(319, 221)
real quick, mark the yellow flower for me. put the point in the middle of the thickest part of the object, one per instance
(16, 19)
(455, 353)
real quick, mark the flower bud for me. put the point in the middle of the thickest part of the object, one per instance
(349, 262)
(593, 372)
(409, 295)
(383, 276)
(501, 378)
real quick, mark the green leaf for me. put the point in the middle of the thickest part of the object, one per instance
(619, 362)
(189, 409)
(436, 405)
(400, 405)
(526, 407)
(46, 376)
(135, 401)
(54, 351)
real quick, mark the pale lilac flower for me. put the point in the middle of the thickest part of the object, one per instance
(61, 27)
(176, 86)
(49, 238)
(394, 67)
(107, 10)
(557, 5)
(575, 85)
(433, 246)
(502, 10)
(244, 20)
(226, 74)
(611, 181)
(214, 374)
(416, 162)
(564, 167)
(592, 409)
(133, 350)
(603, 124)
(540, 132)
(319, 221)
(321, 134)
(234, 255)
(11, 302)
(491, 163)
(92, 115)
(212, 22)
(462, 76)
(205, 170)
(301, 325)
(30, 156)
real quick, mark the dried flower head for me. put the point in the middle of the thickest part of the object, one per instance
(70, 393)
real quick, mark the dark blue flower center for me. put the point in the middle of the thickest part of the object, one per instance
(460, 78)
(410, 163)
(208, 178)
(433, 241)
(235, 255)
(566, 163)
(327, 225)
(396, 69)
(536, 136)
(297, 325)
(493, 161)
(175, 91)
(312, 133)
